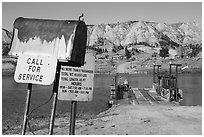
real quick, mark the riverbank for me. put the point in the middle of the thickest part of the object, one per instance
(129, 119)
(9, 65)
(145, 65)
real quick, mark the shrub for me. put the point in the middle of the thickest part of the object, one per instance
(164, 52)
(194, 50)
(127, 53)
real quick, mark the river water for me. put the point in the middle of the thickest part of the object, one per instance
(14, 95)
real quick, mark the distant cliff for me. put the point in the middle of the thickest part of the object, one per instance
(131, 33)
(6, 41)
(150, 33)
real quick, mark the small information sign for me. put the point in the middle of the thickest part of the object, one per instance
(35, 69)
(76, 83)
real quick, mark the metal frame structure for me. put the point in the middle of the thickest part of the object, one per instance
(170, 80)
(174, 75)
(156, 68)
(156, 73)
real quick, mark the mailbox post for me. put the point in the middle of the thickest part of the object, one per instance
(25, 120)
(54, 104)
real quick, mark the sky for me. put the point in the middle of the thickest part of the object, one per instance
(103, 12)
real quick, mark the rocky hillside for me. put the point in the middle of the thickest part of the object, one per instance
(6, 40)
(6, 37)
(148, 33)
(131, 33)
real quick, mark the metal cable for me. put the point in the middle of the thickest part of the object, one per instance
(30, 127)
(28, 116)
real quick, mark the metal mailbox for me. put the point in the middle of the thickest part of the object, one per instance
(44, 46)
(63, 39)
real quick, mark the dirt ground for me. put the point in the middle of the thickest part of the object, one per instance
(137, 119)
(147, 120)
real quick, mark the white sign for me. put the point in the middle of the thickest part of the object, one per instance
(35, 69)
(76, 83)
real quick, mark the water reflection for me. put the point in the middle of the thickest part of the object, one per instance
(191, 84)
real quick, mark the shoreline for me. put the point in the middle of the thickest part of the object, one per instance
(8, 69)
(9, 65)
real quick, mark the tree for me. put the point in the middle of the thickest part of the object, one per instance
(106, 50)
(5, 50)
(181, 51)
(114, 49)
(127, 53)
(120, 47)
(154, 54)
(164, 52)
(99, 42)
(194, 50)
